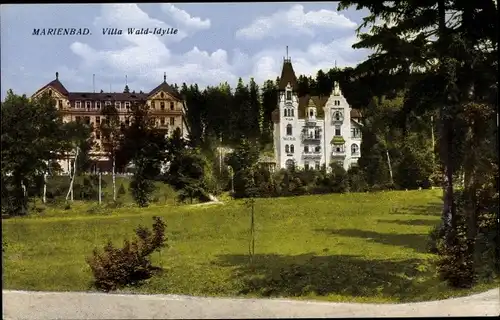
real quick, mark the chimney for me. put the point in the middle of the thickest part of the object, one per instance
(57, 75)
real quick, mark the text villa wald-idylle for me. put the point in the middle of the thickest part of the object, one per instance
(105, 31)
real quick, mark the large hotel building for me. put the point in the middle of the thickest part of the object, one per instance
(167, 107)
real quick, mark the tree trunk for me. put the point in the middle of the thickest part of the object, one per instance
(389, 164)
(446, 142)
(114, 179)
(70, 191)
(44, 196)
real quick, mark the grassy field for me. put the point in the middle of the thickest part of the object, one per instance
(353, 247)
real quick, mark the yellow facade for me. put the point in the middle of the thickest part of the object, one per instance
(166, 107)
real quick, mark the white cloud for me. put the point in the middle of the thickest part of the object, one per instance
(185, 18)
(295, 21)
(145, 58)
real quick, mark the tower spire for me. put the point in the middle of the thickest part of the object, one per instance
(287, 52)
(126, 80)
(164, 77)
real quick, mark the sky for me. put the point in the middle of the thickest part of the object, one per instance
(215, 43)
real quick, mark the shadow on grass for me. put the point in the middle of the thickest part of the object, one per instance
(416, 222)
(413, 241)
(432, 209)
(349, 276)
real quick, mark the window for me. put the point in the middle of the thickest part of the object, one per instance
(288, 95)
(162, 121)
(355, 133)
(317, 149)
(287, 148)
(87, 120)
(291, 112)
(354, 149)
(311, 113)
(78, 119)
(88, 103)
(172, 121)
(118, 105)
(337, 131)
(289, 164)
(337, 103)
(171, 105)
(162, 105)
(97, 147)
(317, 165)
(338, 116)
(292, 149)
(285, 113)
(316, 133)
(98, 104)
(338, 149)
(77, 104)
(97, 136)
(60, 104)
(162, 95)
(340, 163)
(50, 93)
(127, 122)
(98, 120)
(127, 105)
(108, 103)
(306, 165)
(152, 104)
(288, 129)
(306, 149)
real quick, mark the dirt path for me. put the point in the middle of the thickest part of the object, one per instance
(78, 305)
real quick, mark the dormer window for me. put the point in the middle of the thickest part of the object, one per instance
(288, 95)
(127, 105)
(118, 105)
(77, 104)
(98, 104)
(88, 104)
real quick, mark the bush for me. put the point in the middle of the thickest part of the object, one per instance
(121, 190)
(115, 268)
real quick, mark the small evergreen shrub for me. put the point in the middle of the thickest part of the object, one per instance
(114, 268)
(121, 190)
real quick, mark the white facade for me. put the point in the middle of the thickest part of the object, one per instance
(312, 142)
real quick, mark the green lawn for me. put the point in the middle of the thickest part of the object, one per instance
(352, 247)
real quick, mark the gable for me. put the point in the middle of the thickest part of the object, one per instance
(166, 96)
(55, 93)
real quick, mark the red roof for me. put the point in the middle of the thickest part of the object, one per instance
(56, 85)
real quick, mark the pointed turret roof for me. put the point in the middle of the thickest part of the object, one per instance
(287, 76)
(56, 85)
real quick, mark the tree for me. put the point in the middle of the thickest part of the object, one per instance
(242, 162)
(269, 104)
(32, 137)
(145, 146)
(441, 61)
(111, 135)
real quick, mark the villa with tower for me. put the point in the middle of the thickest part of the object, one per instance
(311, 131)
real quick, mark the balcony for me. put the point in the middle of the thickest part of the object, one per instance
(312, 155)
(311, 138)
(337, 140)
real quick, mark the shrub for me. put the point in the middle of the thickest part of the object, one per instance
(121, 190)
(115, 268)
